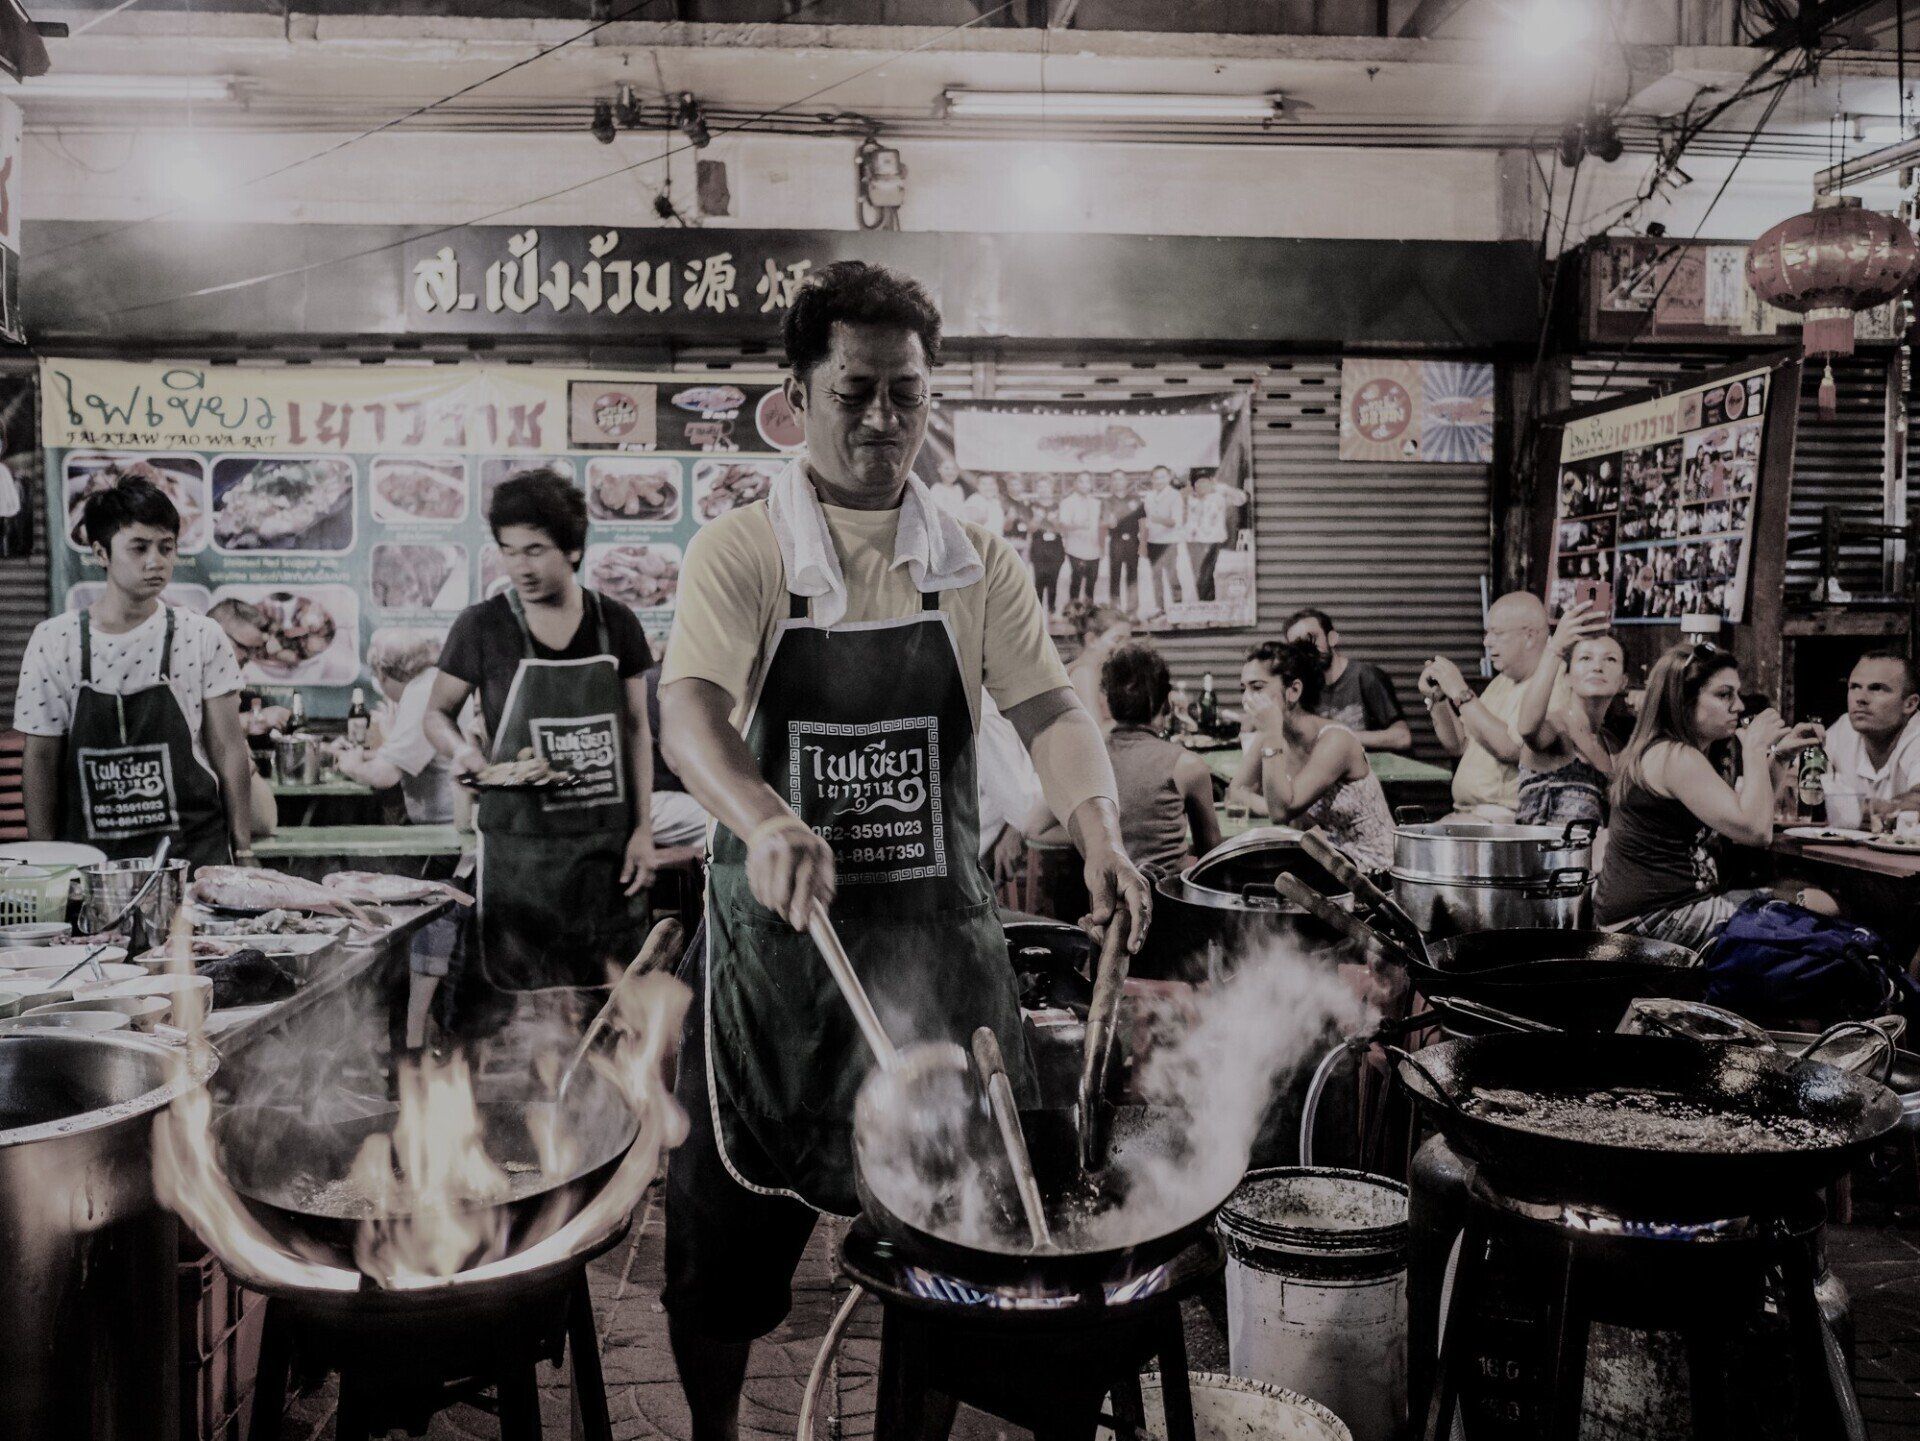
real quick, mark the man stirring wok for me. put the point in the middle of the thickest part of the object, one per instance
(819, 698)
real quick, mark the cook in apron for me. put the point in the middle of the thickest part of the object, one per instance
(865, 729)
(550, 902)
(131, 773)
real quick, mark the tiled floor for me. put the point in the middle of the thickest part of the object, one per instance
(1880, 1265)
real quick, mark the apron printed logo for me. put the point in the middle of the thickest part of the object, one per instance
(127, 791)
(873, 793)
(589, 747)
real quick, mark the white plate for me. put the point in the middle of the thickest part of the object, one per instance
(43, 958)
(1834, 835)
(52, 853)
(1899, 845)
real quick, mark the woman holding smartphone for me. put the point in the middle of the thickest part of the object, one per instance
(1566, 761)
(1660, 877)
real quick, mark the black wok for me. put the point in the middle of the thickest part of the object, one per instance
(924, 1225)
(1577, 980)
(1650, 1176)
(281, 1163)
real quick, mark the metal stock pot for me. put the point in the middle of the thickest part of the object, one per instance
(1225, 905)
(1455, 877)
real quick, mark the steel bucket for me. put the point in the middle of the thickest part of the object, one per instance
(113, 884)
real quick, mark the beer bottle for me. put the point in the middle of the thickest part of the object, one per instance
(358, 720)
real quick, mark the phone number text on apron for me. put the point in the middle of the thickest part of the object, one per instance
(127, 791)
(842, 779)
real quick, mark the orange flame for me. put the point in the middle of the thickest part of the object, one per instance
(431, 1182)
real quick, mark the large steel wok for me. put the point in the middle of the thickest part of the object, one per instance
(291, 1169)
(927, 1209)
(1733, 1086)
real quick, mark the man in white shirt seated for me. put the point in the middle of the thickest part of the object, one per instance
(1873, 751)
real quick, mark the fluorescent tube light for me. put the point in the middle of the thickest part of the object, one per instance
(1871, 166)
(109, 88)
(1106, 105)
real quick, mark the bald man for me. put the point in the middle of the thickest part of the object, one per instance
(1479, 728)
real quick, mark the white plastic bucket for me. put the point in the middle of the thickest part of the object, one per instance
(1317, 1290)
(1227, 1408)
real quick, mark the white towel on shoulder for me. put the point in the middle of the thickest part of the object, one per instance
(937, 552)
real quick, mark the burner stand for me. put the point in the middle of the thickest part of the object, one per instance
(1534, 1278)
(404, 1357)
(1043, 1361)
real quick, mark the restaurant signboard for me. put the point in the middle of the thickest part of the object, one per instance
(332, 511)
(1655, 500)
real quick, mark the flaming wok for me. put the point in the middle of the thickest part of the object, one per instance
(293, 1172)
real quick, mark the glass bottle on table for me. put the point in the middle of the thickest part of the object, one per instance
(358, 721)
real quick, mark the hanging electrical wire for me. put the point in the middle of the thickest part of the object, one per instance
(288, 273)
(631, 11)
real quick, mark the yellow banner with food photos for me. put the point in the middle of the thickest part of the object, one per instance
(332, 513)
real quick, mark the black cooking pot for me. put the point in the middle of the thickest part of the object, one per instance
(1224, 906)
(1572, 980)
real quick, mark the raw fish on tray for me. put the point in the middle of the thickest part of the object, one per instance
(248, 888)
(380, 889)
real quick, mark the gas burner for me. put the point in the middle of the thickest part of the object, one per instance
(879, 1265)
(1585, 1218)
(404, 1356)
(1037, 1355)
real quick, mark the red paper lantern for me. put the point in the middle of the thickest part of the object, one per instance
(1828, 264)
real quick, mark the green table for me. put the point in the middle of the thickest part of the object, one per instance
(337, 786)
(371, 842)
(1392, 769)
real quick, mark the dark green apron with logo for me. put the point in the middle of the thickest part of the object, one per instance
(131, 774)
(551, 911)
(865, 730)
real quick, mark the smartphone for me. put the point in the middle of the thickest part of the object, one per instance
(1596, 593)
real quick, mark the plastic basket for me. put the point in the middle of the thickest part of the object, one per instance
(30, 894)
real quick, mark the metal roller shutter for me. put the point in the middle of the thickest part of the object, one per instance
(23, 605)
(1395, 553)
(1836, 462)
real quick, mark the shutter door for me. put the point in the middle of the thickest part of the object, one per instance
(1394, 553)
(1836, 462)
(23, 605)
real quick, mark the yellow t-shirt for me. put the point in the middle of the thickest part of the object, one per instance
(733, 596)
(1482, 778)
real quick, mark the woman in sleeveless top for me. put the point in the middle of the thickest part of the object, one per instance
(1566, 760)
(1659, 877)
(1302, 769)
(1166, 791)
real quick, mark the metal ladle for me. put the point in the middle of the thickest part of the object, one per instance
(927, 1061)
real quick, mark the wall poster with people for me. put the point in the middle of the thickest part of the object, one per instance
(1655, 502)
(1143, 505)
(329, 511)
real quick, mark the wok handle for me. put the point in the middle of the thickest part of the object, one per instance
(1481, 1011)
(1102, 1020)
(1884, 1065)
(841, 968)
(1317, 844)
(663, 943)
(1006, 1116)
(1294, 889)
(1440, 1092)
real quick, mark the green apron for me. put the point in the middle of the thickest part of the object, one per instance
(551, 911)
(867, 733)
(131, 774)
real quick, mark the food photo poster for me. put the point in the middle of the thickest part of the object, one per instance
(323, 505)
(1655, 498)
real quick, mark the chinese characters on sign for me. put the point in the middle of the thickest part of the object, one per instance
(596, 273)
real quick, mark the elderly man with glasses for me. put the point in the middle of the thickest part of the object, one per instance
(1479, 728)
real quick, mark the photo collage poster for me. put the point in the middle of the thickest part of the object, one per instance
(1653, 516)
(1142, 505)
(329, 513)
